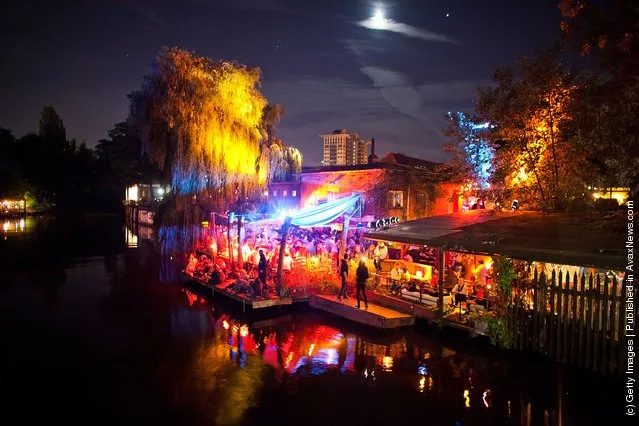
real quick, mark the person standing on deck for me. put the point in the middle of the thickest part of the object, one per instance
(343, 272)
(362, 276)
(261, 267)
(481, 272)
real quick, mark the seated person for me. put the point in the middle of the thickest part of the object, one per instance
(256, 288)
(190, 267)
(481, 297)
(460, 292)
(412, 287)
(396, 276)
(217, 276)
(241, 286)
(452, 279)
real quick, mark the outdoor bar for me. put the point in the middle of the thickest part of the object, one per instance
(564, 295)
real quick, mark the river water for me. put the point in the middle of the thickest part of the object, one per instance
(97, 329)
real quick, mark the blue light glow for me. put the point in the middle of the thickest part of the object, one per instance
(479, 153)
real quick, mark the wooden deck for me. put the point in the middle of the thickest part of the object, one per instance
(244, 300)
(375, 316)
(412, 308)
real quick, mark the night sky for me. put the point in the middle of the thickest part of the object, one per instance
(320, 59)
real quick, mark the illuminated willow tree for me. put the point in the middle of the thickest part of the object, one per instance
(200, 123)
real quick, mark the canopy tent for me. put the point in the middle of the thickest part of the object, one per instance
(319, 215)
(323, 214)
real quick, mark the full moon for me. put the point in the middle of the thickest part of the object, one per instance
(379, 15)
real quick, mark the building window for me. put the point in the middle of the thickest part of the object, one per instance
(294, 193)
(284, 193)
(395, 199)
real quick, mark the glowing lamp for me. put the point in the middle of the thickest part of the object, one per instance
(225, 324)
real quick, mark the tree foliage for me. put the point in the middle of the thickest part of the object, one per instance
(200, 123)
(271, 117)
(534, 161)
(48, 169)
(605, 108)
(471, 153)
(607, 34)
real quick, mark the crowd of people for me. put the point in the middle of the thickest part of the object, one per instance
(260, 252)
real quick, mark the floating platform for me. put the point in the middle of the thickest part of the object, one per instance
(375, 316)
(244, 300)
(402, 305)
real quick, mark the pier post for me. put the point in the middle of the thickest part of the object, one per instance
(214, 248)
(278, 281)
(240, 260)
(229, 239)
(442, 267)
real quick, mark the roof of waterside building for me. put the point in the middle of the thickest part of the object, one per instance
(597, 240)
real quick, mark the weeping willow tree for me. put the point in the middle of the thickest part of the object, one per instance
(283, 162)
(200, 122)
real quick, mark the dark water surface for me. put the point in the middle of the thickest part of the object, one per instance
(96, 329)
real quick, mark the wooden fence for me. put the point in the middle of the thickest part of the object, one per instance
(573, 320)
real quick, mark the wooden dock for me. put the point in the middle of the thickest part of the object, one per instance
(396, 303)
(247, 302)
(375, 316)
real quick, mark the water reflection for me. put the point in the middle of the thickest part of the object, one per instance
(15, 225)
(177, 240)
(118, 340)
(468, 389)
(130, 238)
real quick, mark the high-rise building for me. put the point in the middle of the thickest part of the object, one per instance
(344, 149)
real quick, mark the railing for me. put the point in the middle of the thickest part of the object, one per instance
(579, 321)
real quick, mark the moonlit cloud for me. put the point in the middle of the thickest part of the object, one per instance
(381, 24)
(332, 104)
(255, 5)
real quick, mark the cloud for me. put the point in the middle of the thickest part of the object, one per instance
(330, 104)
(258, 5)
(426, 103)
(397, 90)
(362, 48)
(451, 90)
(381, 24)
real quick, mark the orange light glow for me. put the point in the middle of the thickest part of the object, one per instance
(387, 363)
(310, 349)
(289, 358)
(244, 330)
(225, 324)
